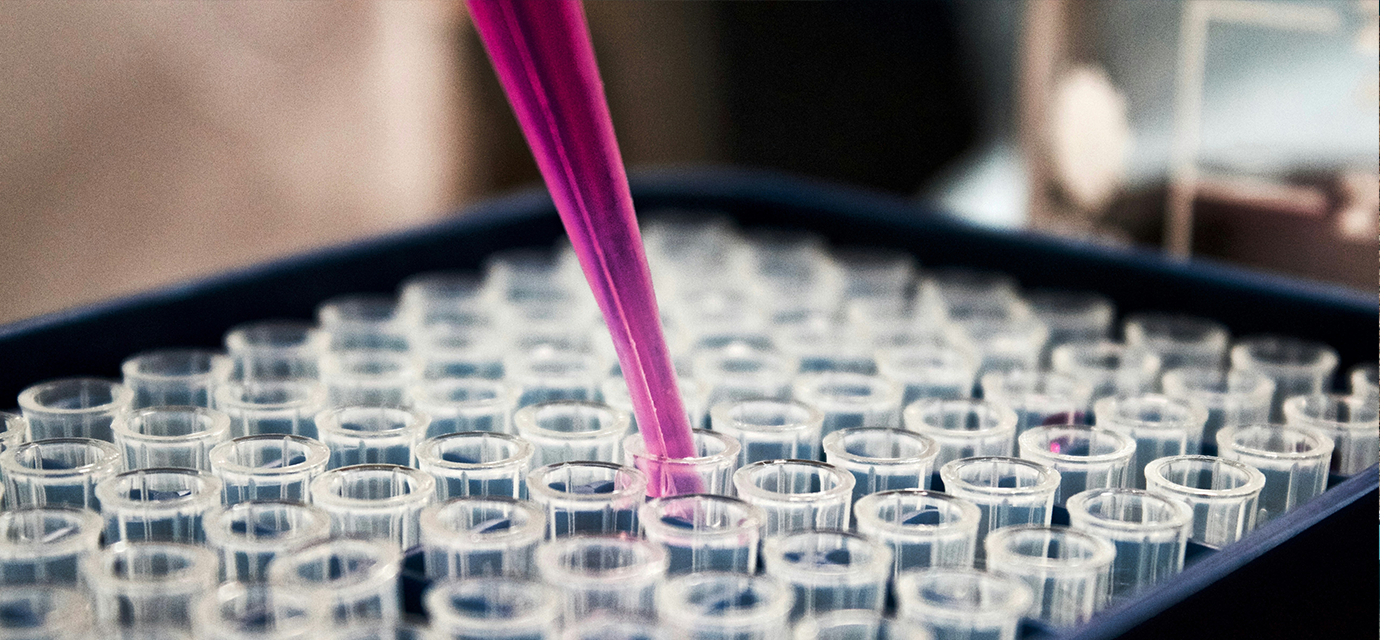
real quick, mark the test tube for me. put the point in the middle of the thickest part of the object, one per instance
(923, 528)
(522, 275)
(692, 394)
(545, 375)
(725, 606)
(850, 400)
(239, 611)
(45, 546)
(1007, 492)
(149, 584)
(157, 505)
(616, 627)
(769, 429)
(568, 430)
(183, 377)
(829, 570)
(718, 316)
(482, 536)
(1223, 494)
(1085, 457)
(58, 472)
(477, 463)
(818, 342)
(1072, 316)
(882, 459)
(929, 371)
(857, 625)
(374, 501)
(460, 350)
(962, 603)
(170, 436)
(44, 613)
(73, 408)
(966, 290)
(435, 296)
(1150, 533)
(1363, 380)
(1011, 338)
(1179, 340)
(1349, 420)
(275, 350)
(1161, 426)
(465, 404)
(1039, 398)
(247, 536)
(588, 497)
(357, 579)
(875, 272)
(268, 467)
(963, 428)
(702, 532)
(1232, 398)
(370, 435)
(741, 372)
(14, 430)
(1068, 571)
(609, 574)
(1111, 368)
(493, 609)
(272, 406)
(363, 322)
(709, 470)
(374, 377)
(1294, 460)
(796, 495)
(1297, 367)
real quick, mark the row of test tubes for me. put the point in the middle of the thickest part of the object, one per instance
(481, 427)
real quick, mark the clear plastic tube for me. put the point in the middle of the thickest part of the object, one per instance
(1150, 533)
(1294, 461)
(796, 495)
(1363, 381)
(374, 501)
(923, 528)
(1085, 457)
(963, 428)
(277, 406)
(247, 536)
(829, 570)
(1349, 420)
(73, 408)
(460, 351)
(588, 497)
(546, 375)
(168, 377)
(569, 430)
(966, 291)
(857, 625)
(740, 372)
(1224, 494)
(929, 371)
(875, 272)
(363, 322)
(170, 436)
(1068, 571)
(616, 627)
(718, 316)
(710, 470)
(482, 536)
(1178, 340)
(46, 546)
(1007, 492)
(1039, 398)
(358, 579)
(157, 505)
(238, 611)
(963, 603)
(149, 584)
(1072, 316)
(522, 275)
(850, 400)
(465, 404)
(58, 472)
(268, 467)
(725, 606)
(1297, 367)
(882, 459)
(373, 377)
(817, 341)
(14, 431)
(769, 429)
(1111, 368)
(1161, 426)
(617, 575)
(477, 463)
(702, 532)
(1232, 398)
(493, 609)
(370, 435)
(692, 394)
(275, 350)
(44, 613)
(1012, 338)
(434, 297)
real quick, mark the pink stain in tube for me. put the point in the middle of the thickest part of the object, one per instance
(544, 58)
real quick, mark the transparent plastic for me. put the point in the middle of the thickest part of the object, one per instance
(615, 627)
(434, 297)
(819, 344)
(493, 609)
(702, 532)
(370, 435)
(46, 546)
(603, 574)
(1363, 380)
(1150, 533)
(149, 584)
(545, 374)
(275, 350)
(1232, 398)
(268, 467)
(477, 463)
(796, 495)
(966, 291)
(1085, 457)
(14, 431)
(1179, 340)
(247, 536)
(588, 497)
(1294, 461)
(923, 528)
(963, 603)
(58, 472)
(850, 400)
(465, 404)
(741, 372)
(44, 613)
(374, 501)
(73, 408)
(929, 371)
(238, 611)
(710, 470)
(174, 377)
(568, 430)
(770, 429)
(725, 606)
(1111, 368)
(1298, 367)
(170, 436)
(357, 579)
(964, 428)
(1068, 571)
(372, 377)
(1072, 316)
(272, 406)
(1007, 492)
(158, 505)
(1351, 422)
(1224, 494)
(692, 395)
(829, 570)
(460, 351)
(482, 536)
(1039, 398)
(1005, 339)
(882, 459)
(363, 322)
(1161, 426)
(857, 625)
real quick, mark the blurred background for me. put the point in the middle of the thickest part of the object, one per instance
(145, 143)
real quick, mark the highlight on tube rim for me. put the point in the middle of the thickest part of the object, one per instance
(218, 428)
(207, 490)
(1255, 480)
(422, 487)
(723, 413)
(112, 459)
(86, 524)
(881, 389)
(649, 565)
(120, 396)
(1103, 550)
(1047, 479)
(749, 487)
(332, 420)
(544, 604)
(526, 419)
(671, 599)
(427, 450)
(750, 519)
(929, 448)
(218, 366)
(1196, 417)
(1017, 603)
(877, 568)
(317, 454)
(968, 513)
(196, 574)
(533, 528)
(1126, 451)
(729, 454)
(304, 609)
(317, 527)
(635, 488)
(1006, 417)
(1182, 514)
(382, 572)
(1322, 443)
(226, 397)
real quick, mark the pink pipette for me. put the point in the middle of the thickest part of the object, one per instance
(544, 58)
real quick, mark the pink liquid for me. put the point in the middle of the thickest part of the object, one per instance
(545, 61)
